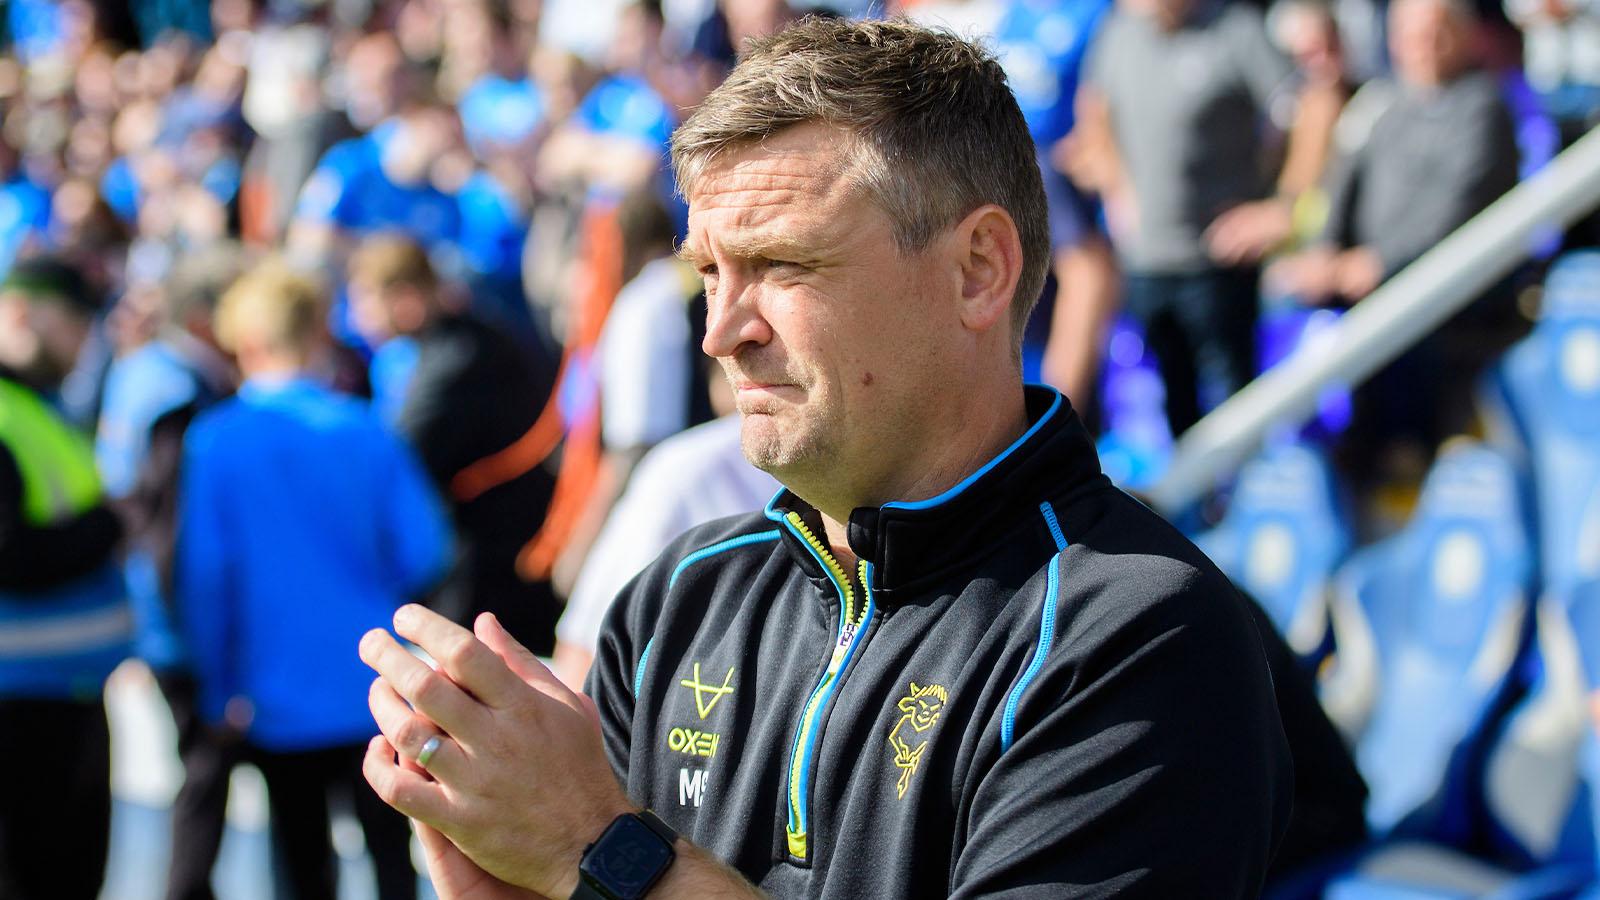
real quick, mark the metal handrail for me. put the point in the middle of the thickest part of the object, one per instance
(1406, 308)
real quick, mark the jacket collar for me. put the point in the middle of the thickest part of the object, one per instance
(909, 543)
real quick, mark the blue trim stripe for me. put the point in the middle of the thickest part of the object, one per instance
(1047, 631)
(967, 482)
(638, 674)
(1055, 526)
(714, 549)
(702, 553)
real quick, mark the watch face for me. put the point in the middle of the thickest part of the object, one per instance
(627, 859)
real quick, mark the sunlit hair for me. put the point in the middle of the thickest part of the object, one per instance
(388, 259)
(274, 307)
(937, 131)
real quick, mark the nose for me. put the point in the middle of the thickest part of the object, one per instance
(733, 317)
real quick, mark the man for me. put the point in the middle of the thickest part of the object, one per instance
(472, 394)
(1442, 150)
(303, 522)
(64, 619)
(950, 659)
(1170, 135)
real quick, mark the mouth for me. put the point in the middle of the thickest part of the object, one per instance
(760, 391)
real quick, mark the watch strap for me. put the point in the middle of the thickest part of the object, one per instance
(658, 825)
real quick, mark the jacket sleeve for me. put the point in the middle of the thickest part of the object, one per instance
(1147, 758)
(34, 557)
(204, 586)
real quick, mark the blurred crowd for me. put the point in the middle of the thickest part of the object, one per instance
(407, 266)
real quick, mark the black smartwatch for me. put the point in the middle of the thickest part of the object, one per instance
(628, 858)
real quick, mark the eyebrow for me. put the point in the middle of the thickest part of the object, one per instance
(748, 248)
(688, 254)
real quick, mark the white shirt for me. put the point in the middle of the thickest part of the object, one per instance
(688, 479)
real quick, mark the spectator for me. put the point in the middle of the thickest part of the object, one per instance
(687, 480)
(1170, 135)
(153, 392)
(1309, 33)
(650, 369)
(473, 404)
(1442, 150)
(380, 181)
(64, 621)
(303, 522)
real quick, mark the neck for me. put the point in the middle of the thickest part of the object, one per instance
(977, 436)
(271, 367)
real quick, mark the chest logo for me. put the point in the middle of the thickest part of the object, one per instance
(702, 690)
(910, 736)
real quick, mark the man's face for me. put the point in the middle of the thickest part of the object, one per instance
(41, 339)
(369, 311)
(1168, 15)
(1427, 42)
(830, 338)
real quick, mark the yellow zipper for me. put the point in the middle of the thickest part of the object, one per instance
(850, 628)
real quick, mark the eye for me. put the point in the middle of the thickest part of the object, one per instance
(786, 265)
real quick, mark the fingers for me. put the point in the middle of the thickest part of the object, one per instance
(409, 733)
(406, 790)
(518, 658)
(430, 693)
(526, 666)
(460, 655)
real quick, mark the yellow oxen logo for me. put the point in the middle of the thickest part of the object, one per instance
(910, 735)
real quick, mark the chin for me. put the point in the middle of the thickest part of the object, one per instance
(764, 441)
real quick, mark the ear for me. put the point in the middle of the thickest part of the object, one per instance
(990, 250)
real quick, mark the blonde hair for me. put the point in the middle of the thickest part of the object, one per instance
(272, 306)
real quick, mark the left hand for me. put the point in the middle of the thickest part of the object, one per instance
(519, 782)
(1249, 231)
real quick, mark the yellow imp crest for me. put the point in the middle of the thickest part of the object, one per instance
(909, 737)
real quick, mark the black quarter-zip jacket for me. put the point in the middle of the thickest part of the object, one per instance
(1031, 686)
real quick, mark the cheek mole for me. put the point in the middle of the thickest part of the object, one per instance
(866, 379)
